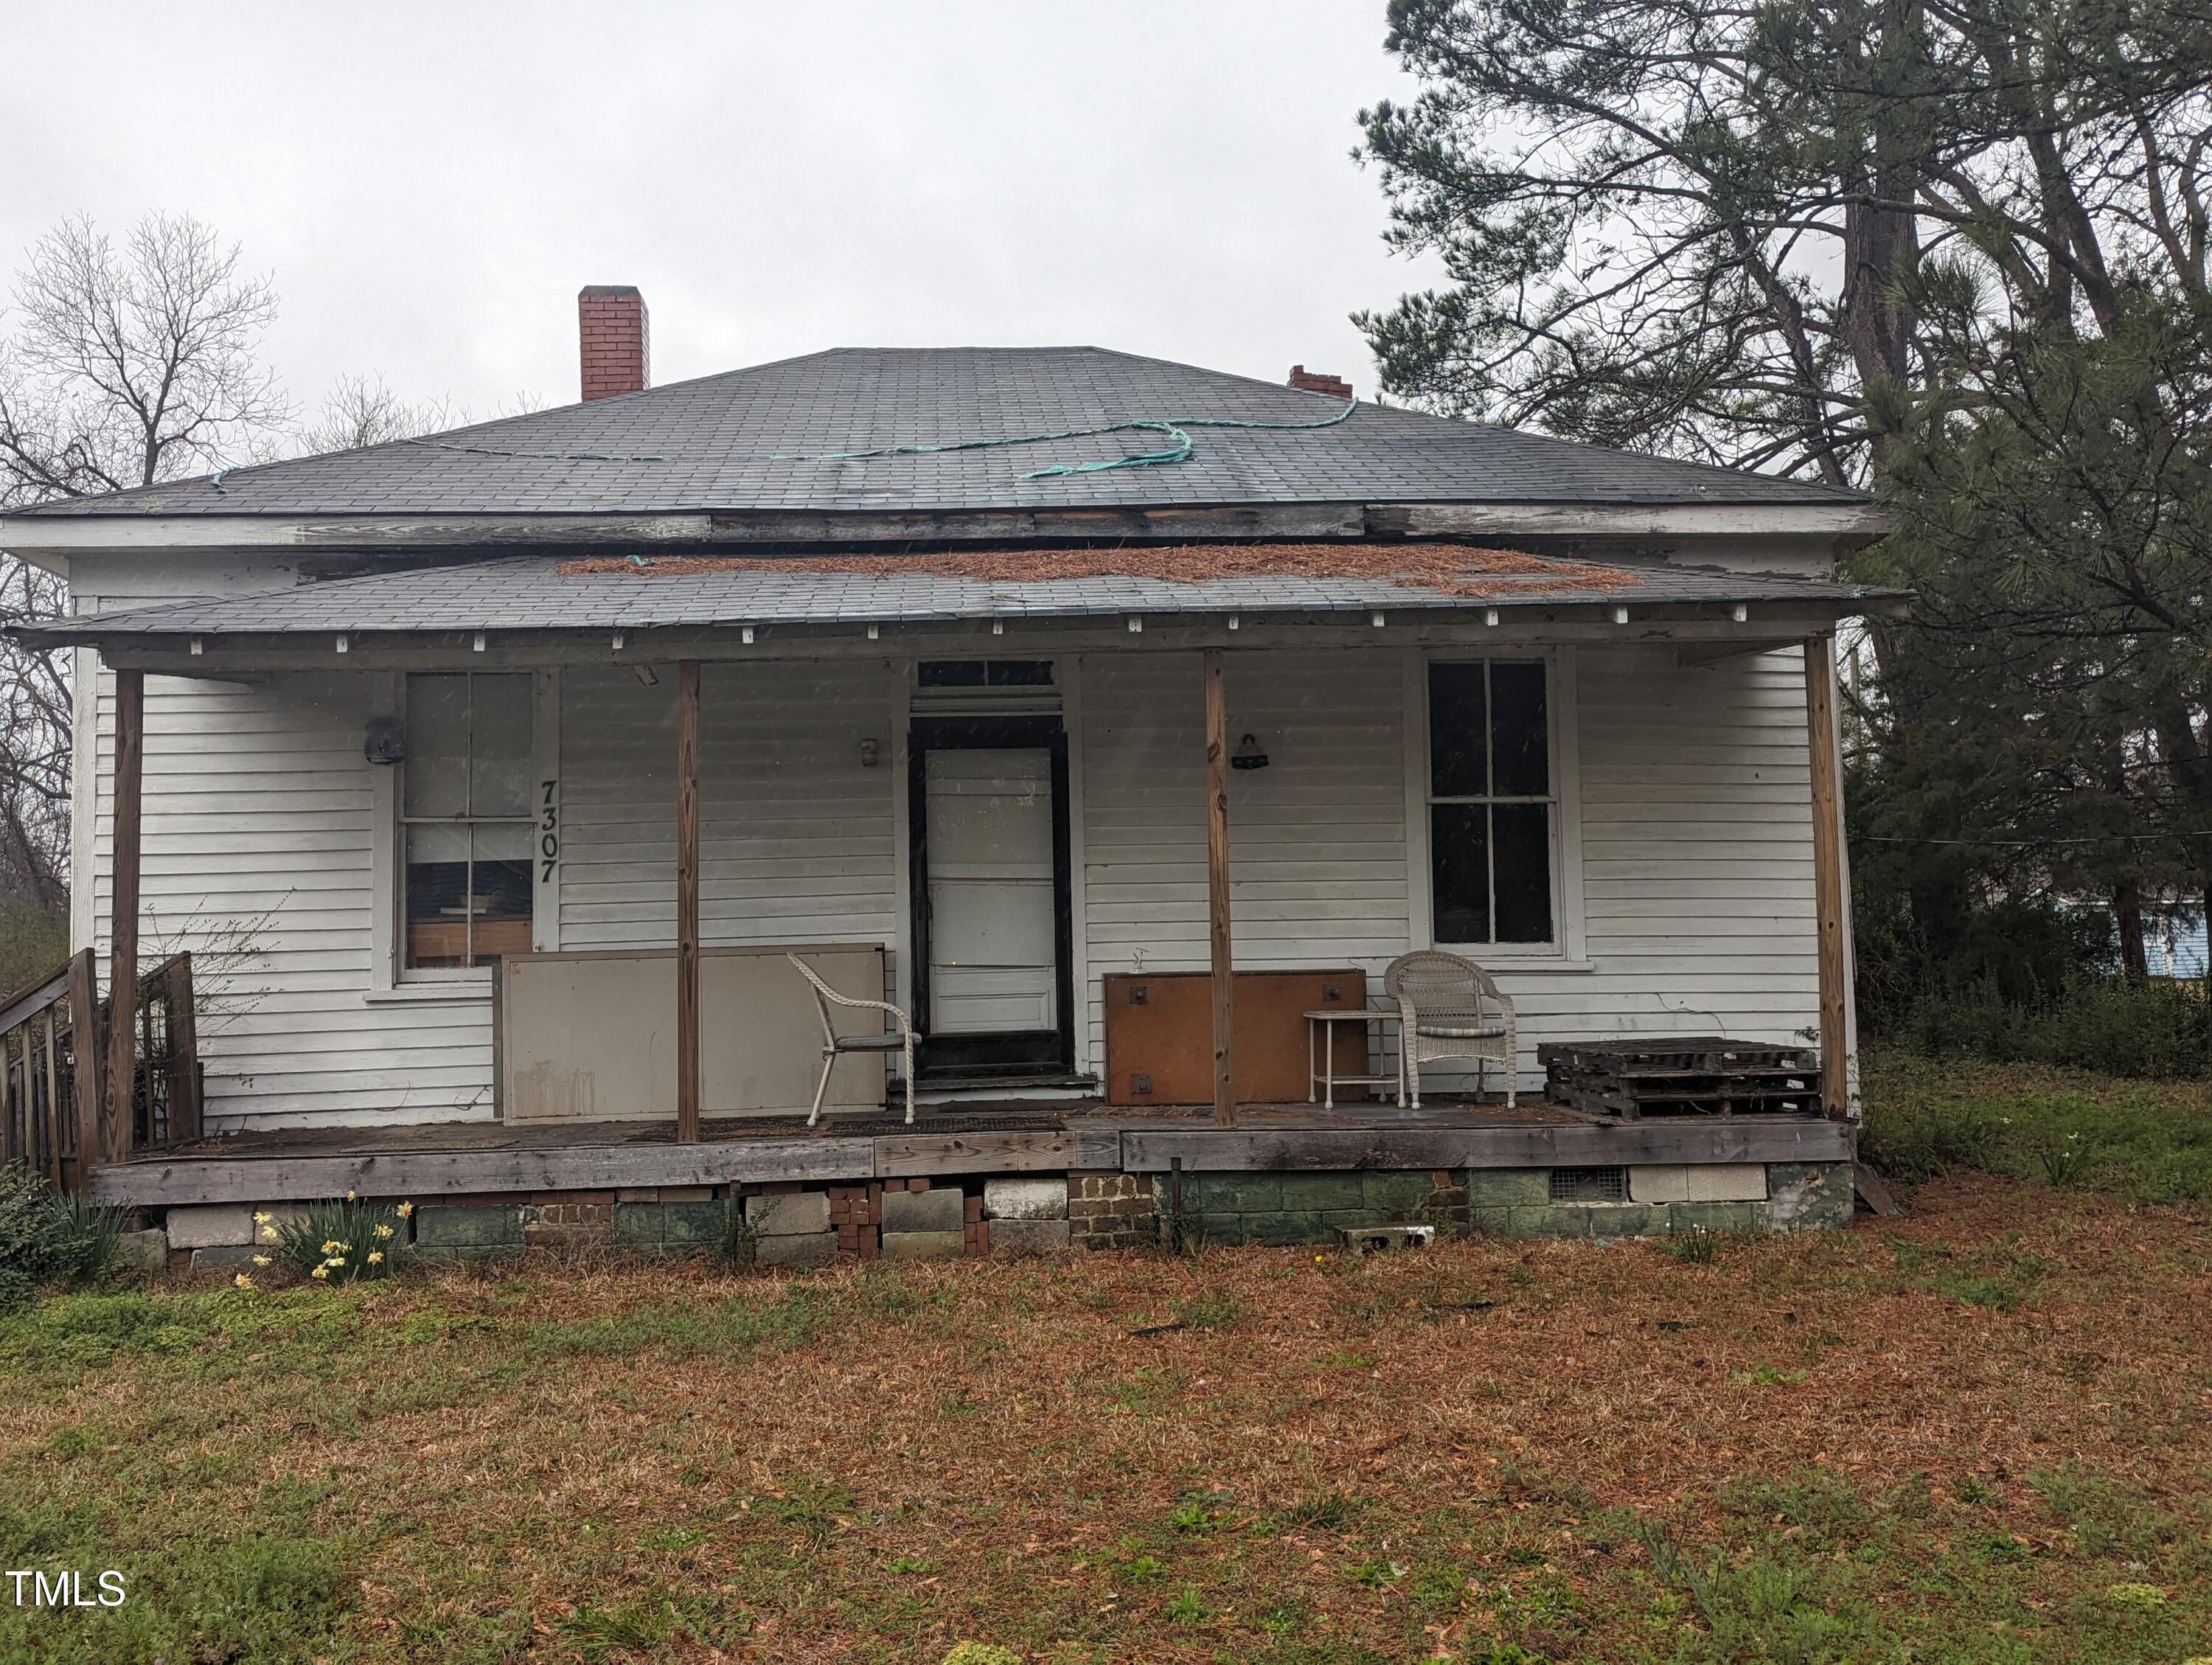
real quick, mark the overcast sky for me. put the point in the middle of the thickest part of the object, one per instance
(429, 184)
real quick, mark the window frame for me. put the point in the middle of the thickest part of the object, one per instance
(391, 977)
(1565, 950)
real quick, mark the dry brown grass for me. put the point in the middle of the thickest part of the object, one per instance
(871, 1465)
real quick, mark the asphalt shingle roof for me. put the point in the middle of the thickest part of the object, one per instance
(742, 441)
(533, 593)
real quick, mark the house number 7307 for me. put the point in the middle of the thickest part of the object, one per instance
(549, 833)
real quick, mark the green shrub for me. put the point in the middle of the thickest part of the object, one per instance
(2156, 1030)
(33, 944)
(47, 1239)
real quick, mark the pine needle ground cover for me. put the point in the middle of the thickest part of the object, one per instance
(1980, 1433)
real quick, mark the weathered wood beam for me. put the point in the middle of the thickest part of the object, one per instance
(87, 1052)
(184, 1051)
(1217, 890)
(687, 901)
(1827, 869)
(123, 918)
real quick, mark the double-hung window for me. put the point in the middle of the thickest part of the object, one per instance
(1493, 802)
(465, 819)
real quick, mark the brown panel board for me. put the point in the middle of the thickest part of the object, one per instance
(1167, 1035)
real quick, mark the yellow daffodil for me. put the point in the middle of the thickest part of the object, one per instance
(260, 1217)
(383, 1231)
(375, 1257)
(405, 1210)
(269, 1234)
(243, 1281)
(323, 1271)
(349, 1196)
(331, 1248)
(261, 1259)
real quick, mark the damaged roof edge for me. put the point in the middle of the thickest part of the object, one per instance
(1853, 522)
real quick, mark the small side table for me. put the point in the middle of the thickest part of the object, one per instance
(1321, 1027)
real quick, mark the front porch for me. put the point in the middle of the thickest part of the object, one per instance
(524, 893)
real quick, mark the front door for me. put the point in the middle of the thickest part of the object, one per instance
(989, 813)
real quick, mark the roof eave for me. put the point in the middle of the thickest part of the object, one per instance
(1850, 523)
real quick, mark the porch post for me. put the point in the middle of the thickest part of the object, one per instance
(1217, 888)
(687, 901)
(1827, 867)
(123, 921)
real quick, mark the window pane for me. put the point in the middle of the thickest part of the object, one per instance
(1457, 726)
(437, 765)
(1459, 865)
(1020, 673)
(437, 886)
(952, 673)
(500, 893)
(1521, 837)
(1520, 754)
(499, 736)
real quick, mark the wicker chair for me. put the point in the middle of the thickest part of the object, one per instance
(833, 1043)
(1448, 1008)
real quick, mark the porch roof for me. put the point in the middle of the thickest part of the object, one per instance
(540, 593)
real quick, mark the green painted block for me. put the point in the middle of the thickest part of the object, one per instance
(480, 1226)
(1398, 1195)
(688, 1225)
(1290, 1227)
(1508, 1187)
(226, 1255)
(471, 1251)
(1303, 1193)
(640, 1224)
(1803, 1194)
(1224, 1229)
(1246, 1194)
(1635, 1219)
(1717, 1216)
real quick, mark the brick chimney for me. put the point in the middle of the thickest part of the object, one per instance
(1312, 381)
(616, 340)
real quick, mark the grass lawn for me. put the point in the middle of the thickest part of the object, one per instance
(1980, 1433)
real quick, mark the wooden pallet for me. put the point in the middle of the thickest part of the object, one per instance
(1693, 1075)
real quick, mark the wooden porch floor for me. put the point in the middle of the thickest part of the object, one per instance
(430, 1160)
(1447, 1111)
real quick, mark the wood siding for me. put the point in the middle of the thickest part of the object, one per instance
(260, 833)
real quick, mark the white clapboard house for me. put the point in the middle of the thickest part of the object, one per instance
(490, 777)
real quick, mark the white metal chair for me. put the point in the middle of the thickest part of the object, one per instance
(834, 1043)
(1448, 1007)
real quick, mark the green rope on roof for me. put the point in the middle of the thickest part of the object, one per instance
(1173, 427)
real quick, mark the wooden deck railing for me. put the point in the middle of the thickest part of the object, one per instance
(51, 1048)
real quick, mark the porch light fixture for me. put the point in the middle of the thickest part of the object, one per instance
(1136, 627)
(1232, 621)
(198, 649)
(1490, 616)
(1376, 619)
(1740, 613)
(341, 644)
(745, 635)
(997, 627)
(1620, 616)
(1248, 754)
(616, 644)
(874, 631)
(477, 645)
(386, 742)
(870, 754)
